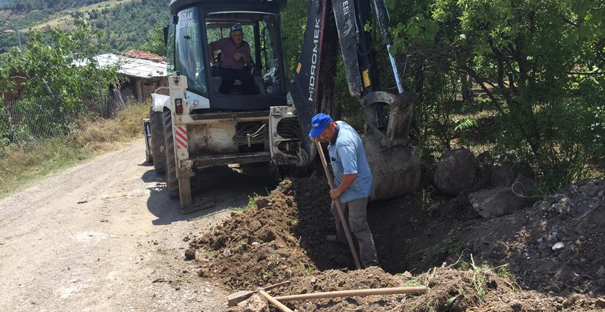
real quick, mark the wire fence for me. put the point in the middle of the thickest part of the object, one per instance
(26, 120)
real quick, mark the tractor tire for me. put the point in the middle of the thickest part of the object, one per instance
(172, 182)
(156, 127)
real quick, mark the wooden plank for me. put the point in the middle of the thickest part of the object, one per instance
(358, 292)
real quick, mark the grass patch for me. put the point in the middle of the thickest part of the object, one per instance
(308, 270)
(252, 200)
(412, 283)
(481, 274)
(432, 253)
(22, 165)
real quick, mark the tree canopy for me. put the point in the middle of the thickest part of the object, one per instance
(48, 66)
(539, 63)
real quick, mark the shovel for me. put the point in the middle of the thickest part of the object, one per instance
(343, 220)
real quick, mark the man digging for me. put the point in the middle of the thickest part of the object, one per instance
(352, 182)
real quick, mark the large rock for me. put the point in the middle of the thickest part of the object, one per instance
(456, 172)
(591, 188)
(496, 202)
(506, 174)
(503, 175)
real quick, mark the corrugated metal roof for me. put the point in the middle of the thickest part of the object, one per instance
(131, 67)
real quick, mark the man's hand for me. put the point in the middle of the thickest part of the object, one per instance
(347, 180)
(238, 56)
(335, 193)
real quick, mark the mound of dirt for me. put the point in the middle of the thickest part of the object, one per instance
(553, 251)
(292, 222)
(555, 246)
(476, 289)
(277, 239)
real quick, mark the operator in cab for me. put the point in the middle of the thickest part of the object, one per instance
(352, 182)
(235, 54)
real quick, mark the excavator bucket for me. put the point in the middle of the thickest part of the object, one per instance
(395, 170)
(394, 164)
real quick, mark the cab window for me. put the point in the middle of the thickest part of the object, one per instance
(189, 58)
(260, 33)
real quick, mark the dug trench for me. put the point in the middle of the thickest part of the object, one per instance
(509, 263)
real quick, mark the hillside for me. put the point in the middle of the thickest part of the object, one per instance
(125, 23)
(5, 2)
(55, 5)
(65, 19)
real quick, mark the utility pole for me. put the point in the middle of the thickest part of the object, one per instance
(8, 31)
(19, 36)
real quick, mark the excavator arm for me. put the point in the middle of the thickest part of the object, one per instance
(335, 26)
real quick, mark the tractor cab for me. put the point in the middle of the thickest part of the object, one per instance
(196, 24)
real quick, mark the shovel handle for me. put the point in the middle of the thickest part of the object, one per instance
(357, 292)
(275, 302)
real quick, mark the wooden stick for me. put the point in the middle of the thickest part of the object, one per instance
(275, 285)
(276, 303)
(358, 292)
(343, 220)
(235, 298)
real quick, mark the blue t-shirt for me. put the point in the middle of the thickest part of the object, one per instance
(347, 156)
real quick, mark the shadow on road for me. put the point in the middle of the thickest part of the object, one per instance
(214, 189)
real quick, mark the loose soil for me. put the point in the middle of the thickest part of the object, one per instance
(506, 264)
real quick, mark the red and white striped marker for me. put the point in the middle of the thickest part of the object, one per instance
(181, 142)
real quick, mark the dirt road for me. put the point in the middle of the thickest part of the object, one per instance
(104, 236)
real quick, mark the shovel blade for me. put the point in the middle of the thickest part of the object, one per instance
(238, 297)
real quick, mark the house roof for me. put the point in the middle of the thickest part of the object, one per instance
(131, 67)
(144, 55)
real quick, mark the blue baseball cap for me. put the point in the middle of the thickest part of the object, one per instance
(319, 122)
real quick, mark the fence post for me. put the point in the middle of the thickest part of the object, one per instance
(9, 119)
